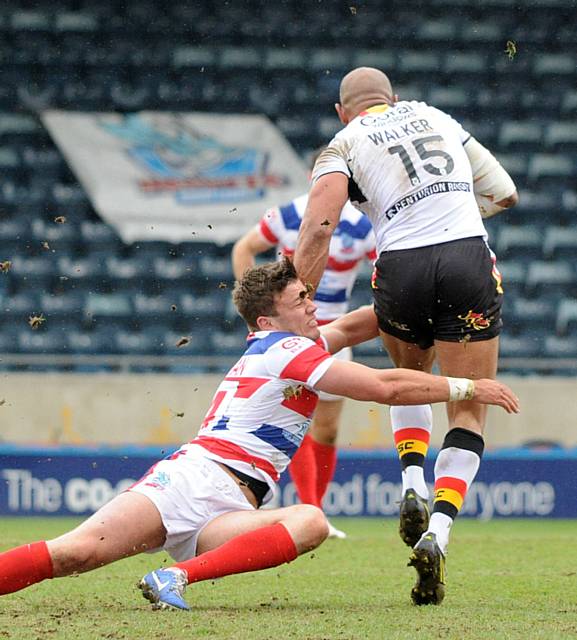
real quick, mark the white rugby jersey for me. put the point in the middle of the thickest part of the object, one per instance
(352, 242)
(263, 407)
(409, 173)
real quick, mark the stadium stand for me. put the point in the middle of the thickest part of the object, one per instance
(100, 296)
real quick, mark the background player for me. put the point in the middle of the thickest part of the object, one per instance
(417, 174)
(201, 503)
(313, 466)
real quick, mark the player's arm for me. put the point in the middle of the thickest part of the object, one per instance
(245, 249)
(353, 328)
(494, 189)
(326, 201)
(409, 387)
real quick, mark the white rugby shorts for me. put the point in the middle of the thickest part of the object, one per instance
(346, 355)
(189, 491)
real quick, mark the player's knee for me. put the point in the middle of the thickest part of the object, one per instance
(314, 525)
(72, 557)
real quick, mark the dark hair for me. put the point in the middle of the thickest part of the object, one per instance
(255, 293)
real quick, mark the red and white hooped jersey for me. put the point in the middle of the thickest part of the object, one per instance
(352, 242)
(263, 407)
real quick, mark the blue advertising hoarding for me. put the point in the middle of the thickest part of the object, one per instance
(77, 481)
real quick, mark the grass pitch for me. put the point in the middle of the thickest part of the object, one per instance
(505, 579)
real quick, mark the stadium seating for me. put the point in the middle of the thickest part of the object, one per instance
(62, 306)
(560, 347)
(18, 307)
(521, 241)
(561, 136)
(524, 136)
(547, 277)
(101, 296)
(520, 346)
(97, 341)
(105, 306)
(566, 320)
(550, 170)
(560, 242)
(540, 314)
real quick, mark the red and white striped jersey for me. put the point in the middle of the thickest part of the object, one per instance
(352, 242)
(263, 407)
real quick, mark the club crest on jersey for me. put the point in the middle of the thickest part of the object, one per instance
(475, 321)
(292, 392)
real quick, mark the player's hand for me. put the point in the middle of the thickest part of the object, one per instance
(493, 392)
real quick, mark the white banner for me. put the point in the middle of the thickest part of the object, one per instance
(179, 176)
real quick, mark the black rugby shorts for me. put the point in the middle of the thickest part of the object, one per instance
(450, 292)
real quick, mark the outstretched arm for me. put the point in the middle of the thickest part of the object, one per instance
(409, 387)
(351, 329)
(326, 201)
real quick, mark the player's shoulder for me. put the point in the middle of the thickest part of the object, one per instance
(333, 157)
(293, 343)
(261, 342)
(297, 353)
(294, 356)
(342, 138)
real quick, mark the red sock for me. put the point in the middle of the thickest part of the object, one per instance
(325, 463)
(260, 549)
(23, 566)
(303, 471)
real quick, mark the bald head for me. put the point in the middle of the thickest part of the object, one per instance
(362, 88)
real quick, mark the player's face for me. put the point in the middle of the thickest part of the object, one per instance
(295, 312)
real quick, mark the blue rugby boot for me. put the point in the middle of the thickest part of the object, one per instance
(165, 588)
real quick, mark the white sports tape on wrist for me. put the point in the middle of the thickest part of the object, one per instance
(461, 389)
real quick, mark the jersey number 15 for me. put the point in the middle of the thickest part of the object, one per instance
(424, 154)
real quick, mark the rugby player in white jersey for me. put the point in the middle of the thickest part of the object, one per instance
(312, 467)
(201, 503)
(423, 181)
